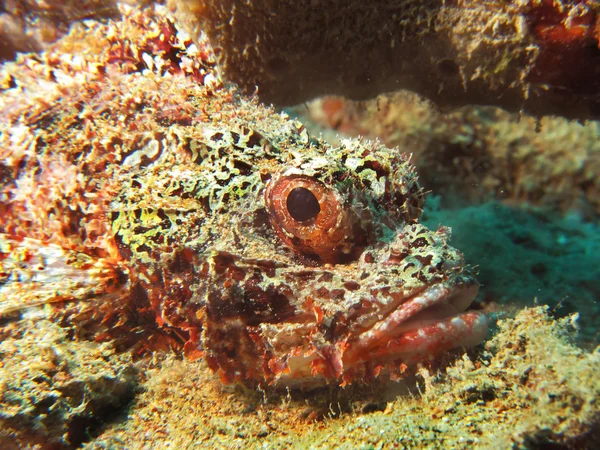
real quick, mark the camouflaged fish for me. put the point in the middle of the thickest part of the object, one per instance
(148, 204)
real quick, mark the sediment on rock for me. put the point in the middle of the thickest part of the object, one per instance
(57, 393)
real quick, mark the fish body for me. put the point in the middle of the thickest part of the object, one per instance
(152, 205)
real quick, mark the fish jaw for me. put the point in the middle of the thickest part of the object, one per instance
(285, 336)
(426, 325)
(420, 328)
(435, 305)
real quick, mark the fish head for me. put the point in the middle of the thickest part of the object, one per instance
(323, 273)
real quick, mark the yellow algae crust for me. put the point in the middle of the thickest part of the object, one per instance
(531, 387)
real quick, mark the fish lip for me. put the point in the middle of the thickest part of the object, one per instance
(390, 346)
(439, 303)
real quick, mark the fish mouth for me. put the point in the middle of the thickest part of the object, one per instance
(426, 324)
(417, 328)
(300, 343)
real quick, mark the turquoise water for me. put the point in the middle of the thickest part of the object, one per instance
(529, 257)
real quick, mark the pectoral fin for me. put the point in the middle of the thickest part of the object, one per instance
(34, 273)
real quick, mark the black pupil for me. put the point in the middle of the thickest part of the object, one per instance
(302, 204)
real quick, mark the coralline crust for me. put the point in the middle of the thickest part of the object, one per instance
(541, 55)
(478, 152)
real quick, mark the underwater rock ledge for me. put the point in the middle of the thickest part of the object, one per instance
(479, 153)
(541, 56)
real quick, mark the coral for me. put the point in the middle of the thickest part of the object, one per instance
(480, 153)
(541, 55)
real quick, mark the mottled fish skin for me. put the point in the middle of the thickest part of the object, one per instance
(156, 206)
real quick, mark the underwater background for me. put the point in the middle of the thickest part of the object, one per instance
(497, 101)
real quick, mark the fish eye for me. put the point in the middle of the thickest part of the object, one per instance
(302, 204)
(310, 217)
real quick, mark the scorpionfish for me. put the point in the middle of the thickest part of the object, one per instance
(145, 202)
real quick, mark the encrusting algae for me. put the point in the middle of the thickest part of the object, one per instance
(148, 206)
